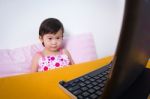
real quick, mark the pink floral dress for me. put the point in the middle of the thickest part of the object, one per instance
(51, 62)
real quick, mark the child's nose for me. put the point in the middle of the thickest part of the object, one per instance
(54, 42)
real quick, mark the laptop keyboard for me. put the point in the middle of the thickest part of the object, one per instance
(88, 86)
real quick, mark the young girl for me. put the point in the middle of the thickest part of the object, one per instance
(53, 55)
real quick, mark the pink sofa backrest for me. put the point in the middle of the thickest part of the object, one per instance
(17, 61)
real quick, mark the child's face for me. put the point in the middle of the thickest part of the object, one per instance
(52, 42)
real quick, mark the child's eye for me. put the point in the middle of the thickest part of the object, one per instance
(58, 38)
(50, 38)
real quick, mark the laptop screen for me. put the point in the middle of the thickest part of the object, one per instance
(133, 50)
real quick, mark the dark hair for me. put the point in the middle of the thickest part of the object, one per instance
(50, 25)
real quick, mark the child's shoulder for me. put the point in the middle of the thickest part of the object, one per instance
(65, 51)
(37, 55)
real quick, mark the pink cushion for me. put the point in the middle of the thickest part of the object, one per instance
(81, 47)
(17, 61)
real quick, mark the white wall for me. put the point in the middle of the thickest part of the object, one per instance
(20, 21)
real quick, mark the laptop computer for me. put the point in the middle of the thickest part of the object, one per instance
(131, 57)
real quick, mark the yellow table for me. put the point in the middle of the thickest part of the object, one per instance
(44, 85)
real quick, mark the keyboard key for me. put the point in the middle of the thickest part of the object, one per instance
(99, 92)
(66, 85)
(97, 87)
(104, 73)
(91, 90)
(84, 88)
(100, 75)
(87, 98)
(87, 77)
(77, 80)
(94, 96)
(82, 84)
(87, 82)
(99, 80)
(77, 92)
(73, 88)
(73, 84)
(92, 79)
(90, 86)
(96, 77)
(80, 97)
(94, 83)
(85, 94)
(101, 85)
(82, 79)
(104, 78)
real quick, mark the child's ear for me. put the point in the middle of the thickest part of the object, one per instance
(41, 39)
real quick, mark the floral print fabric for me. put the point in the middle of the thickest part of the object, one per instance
(52, 62)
